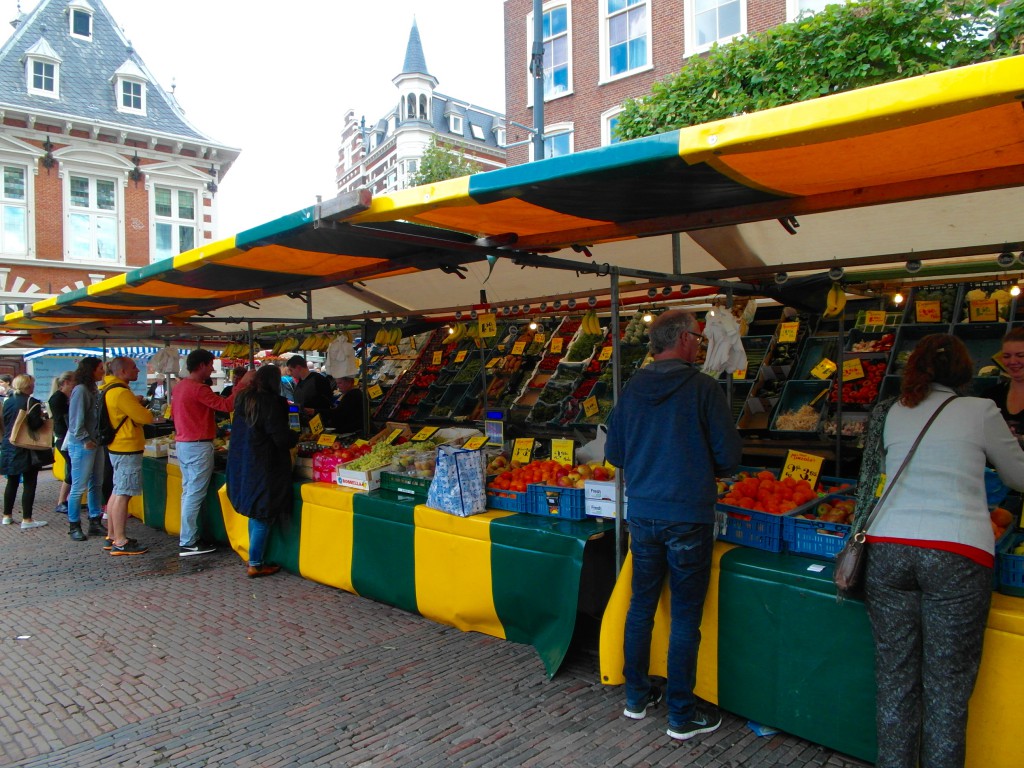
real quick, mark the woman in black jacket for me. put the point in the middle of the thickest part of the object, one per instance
(17, 464)
(59, 403)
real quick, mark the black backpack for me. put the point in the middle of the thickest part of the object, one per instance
(105, 429)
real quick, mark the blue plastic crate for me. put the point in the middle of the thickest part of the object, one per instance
(1010, 567)
(748, 527)
(509, 501)
(555, 501)
(817, 538)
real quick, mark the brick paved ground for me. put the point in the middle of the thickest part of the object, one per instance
(161, 661)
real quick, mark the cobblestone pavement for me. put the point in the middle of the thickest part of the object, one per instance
(161, 661)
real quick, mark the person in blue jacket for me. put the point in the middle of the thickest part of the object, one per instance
(672, 434)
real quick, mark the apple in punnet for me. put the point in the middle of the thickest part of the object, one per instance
(574, 476)
(581, 483)
(584, 471)
(563, 481)
(600, 473)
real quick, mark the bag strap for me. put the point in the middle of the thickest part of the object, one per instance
(910, 453)
(103, 397)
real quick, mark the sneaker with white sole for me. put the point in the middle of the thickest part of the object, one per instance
(27, 524)
(704, 720)
(639, 711)
(8, 520)
(199, 548)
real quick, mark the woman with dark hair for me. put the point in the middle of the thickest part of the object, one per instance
(60, 404)
(17, 464)
(87, 456)
(928, 581)
(259, 461)
(1008, 394)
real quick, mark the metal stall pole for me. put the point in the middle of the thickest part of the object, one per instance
(729, 377)
(483, 372)
(616, 388)
(537, 71)
(839, 395)
(252, 355)
(363, 383)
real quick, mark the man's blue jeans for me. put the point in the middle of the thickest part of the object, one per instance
(683, 551)
(86, 474)
(196, 463)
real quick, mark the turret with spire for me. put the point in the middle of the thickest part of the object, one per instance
(415, 83)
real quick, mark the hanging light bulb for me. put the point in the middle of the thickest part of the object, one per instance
(1015, 290)
(533, 325)
(897, 299)
(648, 317)
(450, 330)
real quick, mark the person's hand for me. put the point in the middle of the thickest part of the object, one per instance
(246, 379)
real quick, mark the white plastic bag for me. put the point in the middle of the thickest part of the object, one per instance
(458, 484)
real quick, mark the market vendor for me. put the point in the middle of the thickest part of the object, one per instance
(312, 394)
(348, 414)
(1008, 394)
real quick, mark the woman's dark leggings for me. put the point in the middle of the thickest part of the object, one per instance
(28, 496)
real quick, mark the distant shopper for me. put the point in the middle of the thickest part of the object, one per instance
(349, 414)
(1008, 392)
(312, 394)
(128, 415)
(60, 404)
(672, 433)
(87, 456)
(193, 409)
(18, 464)
(236, 376)
(259, 462)
(5, 384)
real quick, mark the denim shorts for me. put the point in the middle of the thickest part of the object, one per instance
(127, 473)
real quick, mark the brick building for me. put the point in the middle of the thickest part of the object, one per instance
(102, 172)
(597, 55)
(384, 155)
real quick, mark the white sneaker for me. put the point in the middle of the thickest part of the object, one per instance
(32, 524)
(8, 520)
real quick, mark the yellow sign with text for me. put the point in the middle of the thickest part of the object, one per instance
(460, 355)
(393, 350)
(984, 311)
(928, 311)
(874, 317)
(556, 344)
(475, 443)
(488, 323)
(316, 424)
(563, 451)
(788, 332)
(326, 440)
(590, 406)
(518, 348)
(802, 466)
(493, 362)
(539, 337)
(392, 436)
(606, 353)
(824, 369)
(522, 450)
(853, 369)
(436, 358)
(424, 434)
(740, 374)
(375, 391)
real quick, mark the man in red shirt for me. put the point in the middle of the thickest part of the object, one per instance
(193, 408)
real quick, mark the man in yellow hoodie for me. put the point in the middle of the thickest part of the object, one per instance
(128, 415)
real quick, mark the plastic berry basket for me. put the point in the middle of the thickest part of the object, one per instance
(508, 501)
(555, 501)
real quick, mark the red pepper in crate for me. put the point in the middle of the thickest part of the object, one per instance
(594, 366)
(583, 390)
(862, 391)
(549, 363)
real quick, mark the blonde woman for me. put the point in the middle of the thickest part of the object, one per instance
(16, 463)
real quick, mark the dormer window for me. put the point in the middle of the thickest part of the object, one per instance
(499, 137)
(80, 19)
(131, 96)
(42, 70)
(130, 89)
(455, 124)
(477, 131)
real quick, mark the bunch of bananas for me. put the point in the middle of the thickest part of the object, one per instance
(287, 344)
(237, 349)
(835, 302)
(388, 335)
(590, 323)
(459, 332)
(316, 342)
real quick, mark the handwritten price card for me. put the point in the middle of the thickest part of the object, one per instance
(984, 311)
(460, 356)
(518, 348)
(853, 369)
(316, 425)
(375, 391)
(424, 434)
(475, 443)
(802, 466)
(740, 375)
(563, 451)
(874, 317)
(522, 450)
(326, 440)
(435, 359)
(788, 332)
(393, 350)
(590, 406)
(606, 353)
(824, 369)
(488, 323)
(394, 435)
(539, 337)
(493, 362)
(928, 311)
(556, 345)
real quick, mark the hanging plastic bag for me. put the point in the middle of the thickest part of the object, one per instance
(341, 357)
(458, 485)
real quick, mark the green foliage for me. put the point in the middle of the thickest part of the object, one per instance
(441, 161)
(839, 49)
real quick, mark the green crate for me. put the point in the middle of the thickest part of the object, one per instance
(415, 486)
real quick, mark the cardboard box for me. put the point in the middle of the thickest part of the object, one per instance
(359, 480)
(603, 508)
(389, 427)
(600, 489)
(155, 450)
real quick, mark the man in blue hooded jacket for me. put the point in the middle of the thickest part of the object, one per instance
(672, 434)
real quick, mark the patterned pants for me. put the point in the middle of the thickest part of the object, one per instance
(928, 610)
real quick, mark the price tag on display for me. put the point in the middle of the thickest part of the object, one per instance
(167, 411)
(436, 358)
(460, 355)
(424, 434)
(984, 311)
(824, 369)
(390, 438)
(590, 406)
(928, 311)
(563, 451)
(606, 353)
(539, 337)
(316, 424)
(853, 369)
(802, 466)
(393, 349)
(493, 362)
(556, 345)
(518, 348)
(360, 442)
(522, 450)
(788, 332)
(739, 375)
(488, 323)
(375, 391)
(475, 443)
(874, 317)
(326, 440)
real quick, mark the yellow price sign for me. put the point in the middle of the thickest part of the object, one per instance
(788, 332)
(436, 358)
(539, 337)
(928, 311)
(316, 424)
(326, 440)
(874, 317)
(802, 466)
(375, 391)
(556, 344)
(493, 362)
(824, 369)
(563, 451)
(522, 450)
(424, 434)
(167, 411)
(739, 375)
(475, 443)
(590, 406)
(460, 355)
(984, 311)
(393, 349)
(518, 348)
(488, 323)
(853, 369)
(392, 436)
(606, 353)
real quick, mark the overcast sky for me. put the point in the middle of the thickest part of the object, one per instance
(274, 79)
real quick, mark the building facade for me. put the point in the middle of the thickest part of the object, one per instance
(384, 155)
(599, 54)
(102, 172)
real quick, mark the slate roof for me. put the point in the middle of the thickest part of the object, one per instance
(87, 70)
(415, 61)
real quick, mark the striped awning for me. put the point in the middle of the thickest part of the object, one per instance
(136, 353)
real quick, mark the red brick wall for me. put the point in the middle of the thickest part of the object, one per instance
(49, 214)
(136, 225)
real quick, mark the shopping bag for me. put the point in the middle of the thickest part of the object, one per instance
(458, 484)
(22, 436)
(848, 574)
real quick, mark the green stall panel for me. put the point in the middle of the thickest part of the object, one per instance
(154, 492)
(285, 534)
(790, 656)
(211, 518)
(383, 548)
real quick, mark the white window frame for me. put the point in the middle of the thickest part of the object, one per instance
(175, 221)
(26, 205)
(120, 81)
(30, 62)
(605, 70)
(499, 136)
(456, 124)
(793, 7)
(606, 124)
(690, 22)
(477, 132)
(558, 129)
(548, 6)
(117, 216)
(85, 10)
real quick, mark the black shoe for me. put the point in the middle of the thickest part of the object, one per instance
(130, 547)
(639, 711)
(199, 548)
(75, 532)
(96, 527)
(704, 720)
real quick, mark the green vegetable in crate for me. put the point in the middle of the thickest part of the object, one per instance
(583, 347)
(382, 454)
